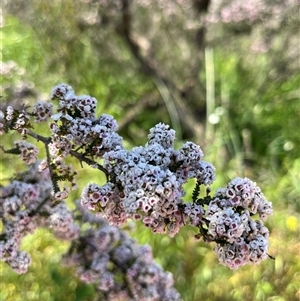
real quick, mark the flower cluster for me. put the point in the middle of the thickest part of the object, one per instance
(250, 248)
(28, 152)
(26, 204)
(118, 267)
(61, 222)
(106, 256)
(13, 119)
(42, 111)
(146, 182)
(246, 194)
(75, 124)
(240, 239)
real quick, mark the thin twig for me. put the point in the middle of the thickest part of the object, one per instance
(79, 156)
(45, 140)
(90, 162)
(40, 205)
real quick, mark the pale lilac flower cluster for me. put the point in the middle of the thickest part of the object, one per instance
(60, 146)
(251, 248)
(226, 223)
(243, 193)
(20, 262)
(26, 204)
(194, 213)
(10, 240)
(42, 111)
(27, 151)
(119, 268)
(9, 113)
(61, 222)
(106, 200)
(76, 124)
(104, 131)
(161, 134)
(21, 123)
(146, 182)
(189, 158)
(240, 240)
(14, 119)
(17, 200)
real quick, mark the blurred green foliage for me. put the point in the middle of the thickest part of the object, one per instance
(253, 105)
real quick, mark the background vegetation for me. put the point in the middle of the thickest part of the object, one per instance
(224, 74)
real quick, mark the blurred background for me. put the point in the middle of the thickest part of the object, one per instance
(224, 74)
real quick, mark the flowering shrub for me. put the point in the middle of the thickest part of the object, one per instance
(145, 183)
